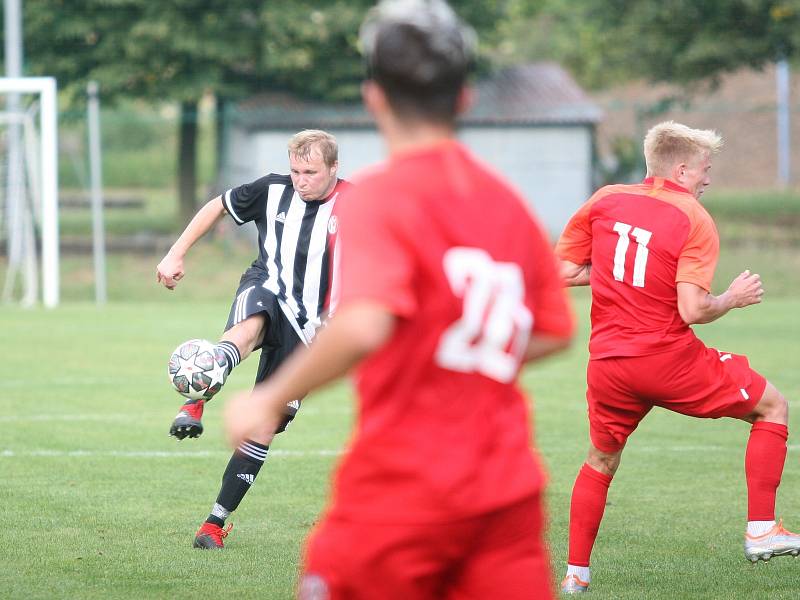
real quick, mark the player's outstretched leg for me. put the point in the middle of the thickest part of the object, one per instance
(763, 464)
(587, 506)
(240, 474)
(764, 459)
(188, 421)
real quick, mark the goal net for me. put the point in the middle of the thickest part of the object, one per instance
(29, 189)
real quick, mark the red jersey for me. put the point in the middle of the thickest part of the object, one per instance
(640, 240)
(453, 252)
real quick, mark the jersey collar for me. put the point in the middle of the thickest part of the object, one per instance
(660, 182)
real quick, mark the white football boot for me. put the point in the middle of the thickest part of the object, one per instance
(573, 585)
(775, 542)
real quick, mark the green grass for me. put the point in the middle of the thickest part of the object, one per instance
(101, 503)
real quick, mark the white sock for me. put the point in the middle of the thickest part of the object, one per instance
(220, 511)
(756, 528)
(582, 573)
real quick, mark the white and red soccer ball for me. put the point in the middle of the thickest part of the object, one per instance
(197, 369)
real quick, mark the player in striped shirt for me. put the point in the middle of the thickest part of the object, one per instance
(282, 297)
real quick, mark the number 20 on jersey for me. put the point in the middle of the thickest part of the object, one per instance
(492, 333)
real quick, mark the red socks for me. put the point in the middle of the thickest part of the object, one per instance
(585, 513)
(763, 466)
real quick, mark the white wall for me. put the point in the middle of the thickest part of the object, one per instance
(550, 166)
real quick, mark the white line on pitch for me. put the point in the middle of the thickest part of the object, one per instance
(153, 453)
(85, 417)
(688, 448)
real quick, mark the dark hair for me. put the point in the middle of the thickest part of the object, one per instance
(420, 53)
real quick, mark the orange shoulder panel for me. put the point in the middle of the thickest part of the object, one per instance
(698, 258)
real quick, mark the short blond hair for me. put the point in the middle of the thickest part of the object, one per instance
(669, 143)
(304, 142)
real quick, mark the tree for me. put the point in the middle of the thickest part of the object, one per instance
(182, 49)
(680, 41)
(171, 51)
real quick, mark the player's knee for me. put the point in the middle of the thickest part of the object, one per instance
(773, 406)
(247, 334)
(603, 462)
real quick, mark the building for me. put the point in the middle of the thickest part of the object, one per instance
(532, 123)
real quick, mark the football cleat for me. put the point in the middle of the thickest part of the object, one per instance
(210, 536)
(776, 542)
(573, 585)
(187, 421)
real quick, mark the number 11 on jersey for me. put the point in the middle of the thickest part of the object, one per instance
(642, 237)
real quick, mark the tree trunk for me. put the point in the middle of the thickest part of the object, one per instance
(221, 128)
(187, 161)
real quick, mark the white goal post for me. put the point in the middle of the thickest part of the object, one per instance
(48, 115)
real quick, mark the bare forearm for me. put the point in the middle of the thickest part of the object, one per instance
(201, 223)
(574, 274)
(331, 356)
(698, 305)
(541, 345)
(708, 309)
(351, 335)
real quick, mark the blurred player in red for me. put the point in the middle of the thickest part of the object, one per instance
(649, 252)
(447, 286)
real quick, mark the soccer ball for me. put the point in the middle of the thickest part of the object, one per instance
(197, 369)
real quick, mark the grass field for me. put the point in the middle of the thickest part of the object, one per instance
(101, 503)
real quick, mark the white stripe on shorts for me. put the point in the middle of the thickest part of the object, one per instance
(241, 303)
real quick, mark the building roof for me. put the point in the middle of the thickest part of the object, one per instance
(533, 94)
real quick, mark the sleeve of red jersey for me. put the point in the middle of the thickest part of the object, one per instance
(552, 313)
(575, 243)
(699, 255)
(375, 262)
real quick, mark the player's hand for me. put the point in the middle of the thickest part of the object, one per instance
(746, 289)
(249, 414)
(170, 271)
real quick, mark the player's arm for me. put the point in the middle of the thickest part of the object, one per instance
(574, 274)
(357, 330)
(170, 270)
(697, 305)
(541, 345)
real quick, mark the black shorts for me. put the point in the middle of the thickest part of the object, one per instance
(280, 338)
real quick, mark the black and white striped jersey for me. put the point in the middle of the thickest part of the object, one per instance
(296, 240)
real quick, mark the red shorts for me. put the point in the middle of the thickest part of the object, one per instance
(695, 380)
(497, 555)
